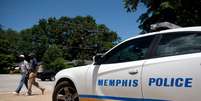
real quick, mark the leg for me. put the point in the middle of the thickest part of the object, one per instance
(30, 83)
(21, 83)
(26, 82)
(37, 85)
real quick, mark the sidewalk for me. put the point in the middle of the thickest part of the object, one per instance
(35, 97)
(9, 82)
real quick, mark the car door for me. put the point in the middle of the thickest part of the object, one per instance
(118, 77)
(174, 73)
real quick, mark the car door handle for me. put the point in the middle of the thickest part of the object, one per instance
(133, 72)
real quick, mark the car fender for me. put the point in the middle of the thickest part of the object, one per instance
(77, 75)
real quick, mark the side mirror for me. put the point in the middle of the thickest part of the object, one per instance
(97, 59)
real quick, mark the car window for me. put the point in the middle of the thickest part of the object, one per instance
(179, 43)
(129, 51)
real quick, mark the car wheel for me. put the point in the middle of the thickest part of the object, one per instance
(65, 92)
(42, 79)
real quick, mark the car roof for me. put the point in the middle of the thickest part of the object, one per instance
(196, 28)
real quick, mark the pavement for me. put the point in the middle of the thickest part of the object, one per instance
(9, 82)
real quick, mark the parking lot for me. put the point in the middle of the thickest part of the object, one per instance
(8, 84)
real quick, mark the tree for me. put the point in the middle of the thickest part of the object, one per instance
(54, 40)
(79, 37)
(52, 53)
(8, 40)
(181, 12)
(85, 38)
(24, 42)
(53, 58)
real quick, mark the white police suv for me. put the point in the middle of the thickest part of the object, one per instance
(158, 66)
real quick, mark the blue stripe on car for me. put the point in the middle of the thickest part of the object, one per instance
(119, 98)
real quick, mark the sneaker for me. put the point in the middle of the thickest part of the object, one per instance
(15, 93)
(42, 90)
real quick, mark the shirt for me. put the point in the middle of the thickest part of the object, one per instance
(24, 66)
(33, 64)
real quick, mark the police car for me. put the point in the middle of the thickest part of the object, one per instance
(158, 66)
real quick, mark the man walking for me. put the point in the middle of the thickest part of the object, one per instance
(24, 72)
(33, 74)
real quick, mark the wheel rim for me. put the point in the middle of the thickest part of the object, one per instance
(67, 94)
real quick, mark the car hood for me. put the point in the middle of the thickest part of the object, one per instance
(78, 71)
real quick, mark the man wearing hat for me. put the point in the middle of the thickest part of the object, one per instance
(33, 75)
(24, 66)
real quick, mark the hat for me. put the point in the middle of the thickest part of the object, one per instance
(22, 56)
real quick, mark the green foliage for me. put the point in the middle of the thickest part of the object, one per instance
(53, 59)
(8, 39)
(51, 39)
(181, 12)
(51, 54)
(6, 61)
(58, 64)
(78, 38)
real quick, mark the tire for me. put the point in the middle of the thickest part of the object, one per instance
(42, 79)
(65, 92)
